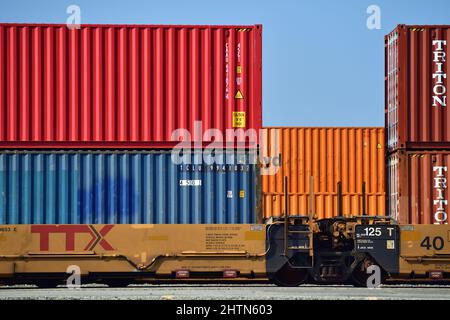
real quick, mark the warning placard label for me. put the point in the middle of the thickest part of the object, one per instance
(239, 119)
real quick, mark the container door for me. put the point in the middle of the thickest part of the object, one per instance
(393, 187)
(392, 92)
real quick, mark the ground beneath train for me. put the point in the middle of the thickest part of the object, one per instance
(228, 292)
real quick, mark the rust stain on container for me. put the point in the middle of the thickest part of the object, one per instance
(330, 155)
(417, 110)
(125, 86)
(418, 183)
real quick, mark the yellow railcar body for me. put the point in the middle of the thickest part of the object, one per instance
(159, 249)
(424, 249)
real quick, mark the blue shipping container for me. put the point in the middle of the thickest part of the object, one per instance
(126, 188)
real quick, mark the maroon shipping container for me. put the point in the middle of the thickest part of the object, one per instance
(122, 86)
(418, 187)
(417, 108)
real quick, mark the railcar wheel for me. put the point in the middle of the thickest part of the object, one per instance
(360, 276)
(47, 284)
(289, 277)
(117, 283)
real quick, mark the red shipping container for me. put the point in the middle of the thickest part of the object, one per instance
(418, 186)
(417, 108)
(126, 86)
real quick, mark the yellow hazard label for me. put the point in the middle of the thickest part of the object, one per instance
(239, 119)
(238, 69)
(390, 244)
(239, 95)
(242, 194)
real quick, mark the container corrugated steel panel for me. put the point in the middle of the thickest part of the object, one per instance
(418, 184)
(416, 88)
(126, 86)
(330, 155)
(325, 205)
(118, 187)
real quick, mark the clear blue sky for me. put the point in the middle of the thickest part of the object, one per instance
(321, 65)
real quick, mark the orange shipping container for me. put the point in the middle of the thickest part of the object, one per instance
(351, 156)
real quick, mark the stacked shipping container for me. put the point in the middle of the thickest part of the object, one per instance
(124, 87)
(418, 186)
(85, 93)
(352, 156)
(126, 187)
(118, 86)
(417, 123)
